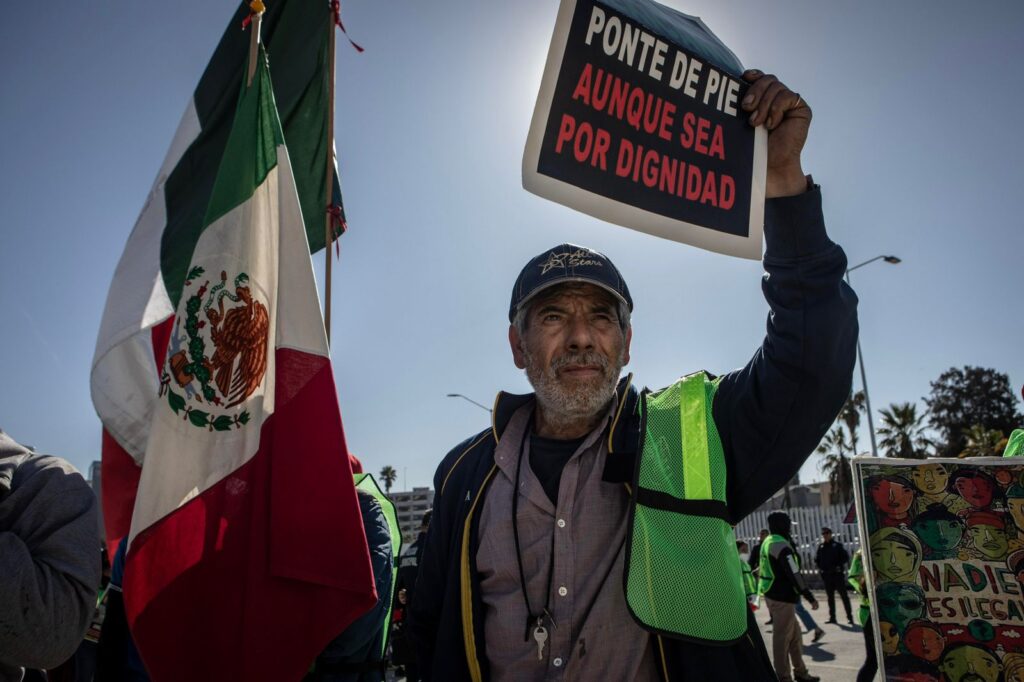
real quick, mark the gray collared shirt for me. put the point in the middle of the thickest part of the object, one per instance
(580, 539)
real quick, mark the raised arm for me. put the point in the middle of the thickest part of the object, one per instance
(772, 413)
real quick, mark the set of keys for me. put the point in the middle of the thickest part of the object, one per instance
(540, 633)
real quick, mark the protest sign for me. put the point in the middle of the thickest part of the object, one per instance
(638, 122)
(943, 541)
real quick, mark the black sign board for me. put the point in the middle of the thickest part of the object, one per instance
(636, 128)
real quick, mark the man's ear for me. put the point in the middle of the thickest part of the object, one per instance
(625, 346)
(516, 342)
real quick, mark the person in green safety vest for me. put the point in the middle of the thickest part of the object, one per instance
(749, 584)
(782, 586)
(858, 583)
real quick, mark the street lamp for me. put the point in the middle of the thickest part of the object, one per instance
(892, 260)
(459, 395)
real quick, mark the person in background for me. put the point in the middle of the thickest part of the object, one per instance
(749, 584)
(49, 559)
(357, 654)
(755, 559)
(858, 582)
(782, 586)
(831, 559)
(117, 658)
(405, 587)
(809, 623)
(81, 667)
(755, 553)
(409, 562)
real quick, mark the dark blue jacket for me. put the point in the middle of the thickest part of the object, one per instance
(770, 415)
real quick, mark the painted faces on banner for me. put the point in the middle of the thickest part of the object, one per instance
(946, 552)
(925, 640)
(988, 534)
(899, 603)
(892, 496)
(970, 663)
(895, 555)
(890, 638)
(976, 487)
(1015, 504)
(940, 532)
(1013, 668)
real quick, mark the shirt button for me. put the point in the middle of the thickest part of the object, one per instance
(562, 591)
(557, 662)
(561, 523)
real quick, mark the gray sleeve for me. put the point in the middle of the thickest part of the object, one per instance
(49, 560)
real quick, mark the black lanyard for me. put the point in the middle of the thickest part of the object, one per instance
(535, 619)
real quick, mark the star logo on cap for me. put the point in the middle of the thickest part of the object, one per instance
(576, 259)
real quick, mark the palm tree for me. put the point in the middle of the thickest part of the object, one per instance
(836, 447)
(850, 415)
(388, 475)
(982, 442)
(903, 432)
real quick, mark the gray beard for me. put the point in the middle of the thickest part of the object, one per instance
(567, 403)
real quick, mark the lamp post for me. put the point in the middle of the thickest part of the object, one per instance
(892, 260)
(459, 395)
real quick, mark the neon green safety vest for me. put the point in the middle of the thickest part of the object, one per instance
(855, 575)
(681, 557)
(749, 585)
(366, 483)
(766, 576)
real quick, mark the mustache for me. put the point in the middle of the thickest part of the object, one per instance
(587, 358)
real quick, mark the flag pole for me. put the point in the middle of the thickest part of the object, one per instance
(254, 38)
(329, 224)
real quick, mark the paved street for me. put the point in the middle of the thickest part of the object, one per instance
(839, 654)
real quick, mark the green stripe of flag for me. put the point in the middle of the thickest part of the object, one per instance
(251, 151)
(295, 33)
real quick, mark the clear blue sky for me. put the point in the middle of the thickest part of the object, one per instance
(916, 142)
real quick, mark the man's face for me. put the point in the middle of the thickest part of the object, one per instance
(572, 349)
(990, 540)
(976, 490)
(891, 497)
(970, 664)
(930, 478)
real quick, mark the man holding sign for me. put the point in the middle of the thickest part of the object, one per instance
(585, 535)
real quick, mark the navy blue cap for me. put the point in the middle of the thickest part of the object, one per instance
(567, 263)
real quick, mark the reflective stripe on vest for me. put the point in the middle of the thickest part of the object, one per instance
(681, 556)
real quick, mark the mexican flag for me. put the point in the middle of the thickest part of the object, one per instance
(246, 554)
(150, 277)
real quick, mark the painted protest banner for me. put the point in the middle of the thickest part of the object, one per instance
(944, 548)
(638, 123)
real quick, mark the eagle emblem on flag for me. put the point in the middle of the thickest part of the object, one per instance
(236, 324)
